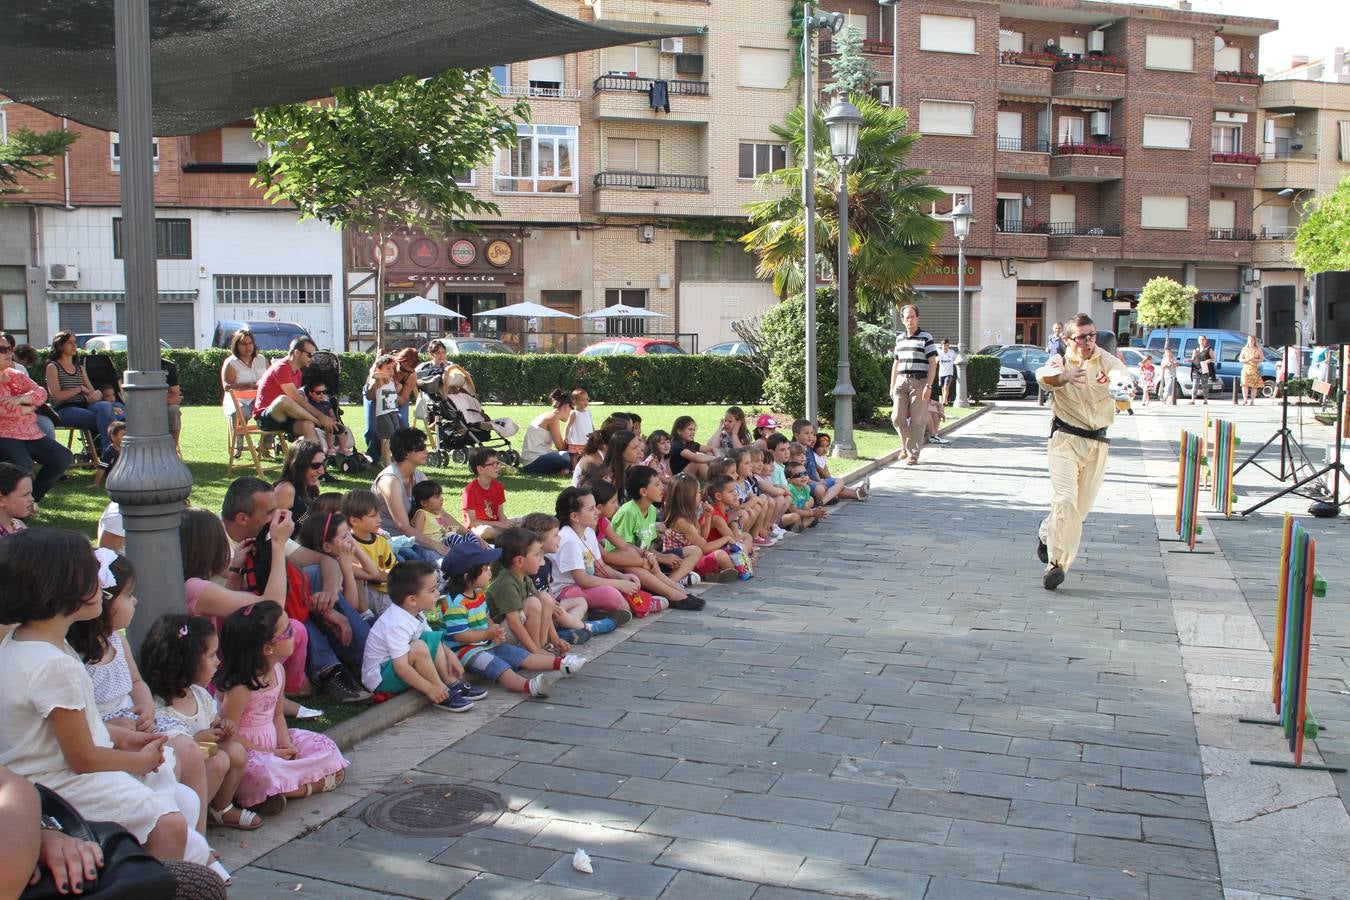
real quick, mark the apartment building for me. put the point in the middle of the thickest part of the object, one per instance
(1099, 145)
(224, 252)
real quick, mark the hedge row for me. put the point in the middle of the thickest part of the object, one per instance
(507, 378)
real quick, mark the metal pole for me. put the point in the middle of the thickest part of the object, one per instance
(809, 201)
(150, 481)
(843, 390)
(962, 394)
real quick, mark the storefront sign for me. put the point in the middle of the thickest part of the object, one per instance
(363, 316)
(499, 253)
(454, 278)
(943, 272)
(463, 253)
(390, 253)
(423, 251)
(1215, 297)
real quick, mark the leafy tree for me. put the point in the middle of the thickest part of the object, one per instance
(386, 157)
(29, 153)
(891, 237)
(851, 72)
(1164, 303)
(1322, 243)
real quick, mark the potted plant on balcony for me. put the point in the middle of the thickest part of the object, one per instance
(1112, 150)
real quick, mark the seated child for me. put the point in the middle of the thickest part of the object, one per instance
(579, 427)
(685, 452)
(720, 498)
(431, 518)
(760, 511)
(799, 487)
(336, 439)
(403, 651)
(363, 516)
(117, 431)
(569, 616)
(283, 763)
(804, 433)
(484, 496)
(658, 442)
(179, 660)
(627, 533)
(683, 529)
(822, 452)
(578, 569)
(486, 647)
(773, 487)
(766, 426)
(512, 599)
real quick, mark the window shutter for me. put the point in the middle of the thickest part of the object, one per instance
(648, 156)
(237, 146)
(1009, 129)
(549, 69)
(622, 153)
(762, 67)
(1070, 44)
(1175, 54)
(647, 61)
(1222, 213)
(747, 161)
(1345, 140)
(945, 117)
(1163, 212)
(1010, 41)
(1229, 59)
(1167, 131)
(947, 34)
(1063, 209)
(618, 59)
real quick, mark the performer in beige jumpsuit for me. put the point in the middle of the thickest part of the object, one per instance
(1080, 385)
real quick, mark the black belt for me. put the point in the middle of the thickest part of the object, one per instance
(1058, 424)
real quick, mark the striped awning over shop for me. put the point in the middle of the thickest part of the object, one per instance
(116, 296)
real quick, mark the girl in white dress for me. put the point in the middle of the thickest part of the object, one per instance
(50, 729)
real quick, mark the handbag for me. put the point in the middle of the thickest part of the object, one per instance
(128, 870)
(641, 603)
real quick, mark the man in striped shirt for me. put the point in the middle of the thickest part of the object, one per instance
(913, 374)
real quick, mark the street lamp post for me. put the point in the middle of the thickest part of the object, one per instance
(844, 122)
(961, 217)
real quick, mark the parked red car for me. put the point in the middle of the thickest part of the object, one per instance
(631, 346)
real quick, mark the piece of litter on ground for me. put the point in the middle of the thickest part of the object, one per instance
(1128, 872)
(581, 861)
(296, 889)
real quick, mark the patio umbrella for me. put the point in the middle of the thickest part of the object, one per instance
(421, 306)
(620, 311)
(526, 309)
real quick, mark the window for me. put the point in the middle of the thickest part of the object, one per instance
(306, 289)
(1008, 213)
(955, 195)
(542, 162)
(1172, 54)
(1010, 41)
(756, 159)
(1228, 59)
(1070, 129)
(116, 148)
(946, 117)
(546, 76)
(858, 21)
(626, 327)
(1009, 130)
(1167, 132)
(238, 146)
(501, 76)
(643, 60)
(1222, 213)
(1076, 46)
(1163, 212)
(4, 129)
(1344, 128)
(947, 34)
(762, 67)
(1064, 211)
(1226, 139)
(632, 155)
(173, 238)
(466, 177)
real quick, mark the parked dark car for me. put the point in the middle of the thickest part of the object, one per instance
(1022, 358)
(266, 335)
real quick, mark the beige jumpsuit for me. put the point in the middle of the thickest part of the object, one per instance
(1077, 464)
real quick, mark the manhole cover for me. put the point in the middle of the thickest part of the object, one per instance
(435, 810)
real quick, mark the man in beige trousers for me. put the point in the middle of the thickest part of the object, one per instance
(913, 374)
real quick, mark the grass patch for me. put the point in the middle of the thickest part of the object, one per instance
(333, 713)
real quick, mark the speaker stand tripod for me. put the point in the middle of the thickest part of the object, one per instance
(1335, 468)
(1289, 465)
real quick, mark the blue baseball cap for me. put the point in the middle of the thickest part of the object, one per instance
(467, 555)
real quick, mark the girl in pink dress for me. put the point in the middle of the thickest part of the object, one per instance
(283, 763)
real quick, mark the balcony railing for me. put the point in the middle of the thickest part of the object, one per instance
(1020, 145)
(1084, 229)
(1020, 58)
(1087, 150)
(643, 85)
(1294, 154)
(558, 93)
(1091, 64)
(1239, 77)
(1278, 232)
(869, 48)
(648, 181)
(1021, 226)
(1241, 159)
(1231, 234)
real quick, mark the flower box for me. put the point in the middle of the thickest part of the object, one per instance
(1239, 77)
(1028, 58)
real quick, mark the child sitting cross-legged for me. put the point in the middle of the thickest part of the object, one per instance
(685, 528)
(578, 569)
(404, 652)
(569, 615)
(485, 647)
(484, 496)
(799, 488)
(514, 602)
(431, 518)
(628, 532)
(721, 501)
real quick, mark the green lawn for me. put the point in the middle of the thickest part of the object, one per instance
(76, 504)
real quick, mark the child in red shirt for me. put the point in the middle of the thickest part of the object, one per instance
(484, 496)
(721, 495)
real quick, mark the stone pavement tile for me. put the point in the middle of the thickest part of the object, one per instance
(496, 887)
(812, 742)
(376, 840)
(719, 731)
(1072, 770)
(265, 884)
(1075, 819)
(566, 733)
(1011, 839)
(712, 751)
(736, 778)
(961, 740)
(974, 863)
(791, 839)
(573, 715)
(578, 808)
(884, 732)
(672, 794)
(1178, 832)
(598, 840)
(790, 719)
(994, 784)
(892, 774)
(965, 760)
(859, 881)
(503, 748)
(555, 777)
(611, 876)
(513, 796)
(890, 824)
(498, 857)
(949, 804)
(1055, 875)
(1040, 749)
(693, 886)
(1012, 727)
(1162, 782)
(1143, 802)
(511, 827)
(1183, 862)
(775, 702)
(623, 764)
(748, 863)
(1168, 887)
(917, 716)
(782, 759)
(774, 808)
(345, 865)
(833, 790)
(1184, 762)
(737, 715)
(953, 888)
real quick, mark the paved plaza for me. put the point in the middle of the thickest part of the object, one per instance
(896, 708)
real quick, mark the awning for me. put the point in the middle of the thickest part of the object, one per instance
(116, 296)
(1078, 102)
(215, 61)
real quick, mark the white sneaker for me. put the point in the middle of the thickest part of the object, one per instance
(540, 684)
(307, 712)
(778, 532)
(691, 580)
(939, 440)
(572, 663)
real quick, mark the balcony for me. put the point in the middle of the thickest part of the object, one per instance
(1025, 74)
(649, 193)
(1018, 158)
(629, 97)
(1095, 77)
(1024, 238)
(1292, 95)
(1237, 90)
(1292, 169)
(1231, 234)
(1247, 78)
(1233, 169)
(1274, 247)
(1083, 240)
(1087, 162)
(869, 48)
(539, 93)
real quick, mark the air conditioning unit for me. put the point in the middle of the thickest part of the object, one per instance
(1099, 124)
(883, 93)
(1096, 42)
(63, 272)
(672, 45)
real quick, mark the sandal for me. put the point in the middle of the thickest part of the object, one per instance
(329, 783)
(247, 820)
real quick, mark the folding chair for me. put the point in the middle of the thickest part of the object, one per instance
(87, 438)
(244, 428)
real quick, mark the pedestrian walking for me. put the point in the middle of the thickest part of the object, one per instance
(1055, 347)
(946, 370)
(1202, 367)
(1082, 384)
(912, 376)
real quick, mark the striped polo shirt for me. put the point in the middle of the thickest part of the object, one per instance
(913, 351)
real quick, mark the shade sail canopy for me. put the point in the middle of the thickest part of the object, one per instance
(621, 311)
(421, 306)
(215, 61)
(526, 309)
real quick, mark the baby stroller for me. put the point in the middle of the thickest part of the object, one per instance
(457, 420)
(324, 368)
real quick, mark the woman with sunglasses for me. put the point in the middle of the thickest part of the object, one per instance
(241, 371)
(301, 473)
(22, 441)
(1084, 385)
(76, 401)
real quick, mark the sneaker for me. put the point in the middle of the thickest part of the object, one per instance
(471, 691)
(600, 626)
(774, 532)
(762, 542)
(456, 703)
(691, 603)
(621, 617)
(308, 712)
(539, 685)
(1042, 552)
(691, 580)
(662, 604)
(1053, 577)
(575, 635)
(339, 686)
(571, 664)
(939, 440)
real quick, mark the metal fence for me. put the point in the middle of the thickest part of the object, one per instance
(652, 181)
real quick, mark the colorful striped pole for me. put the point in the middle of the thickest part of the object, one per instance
(1222, 496)
(1189, 465)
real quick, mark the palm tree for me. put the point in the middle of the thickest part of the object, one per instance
(891, 237)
